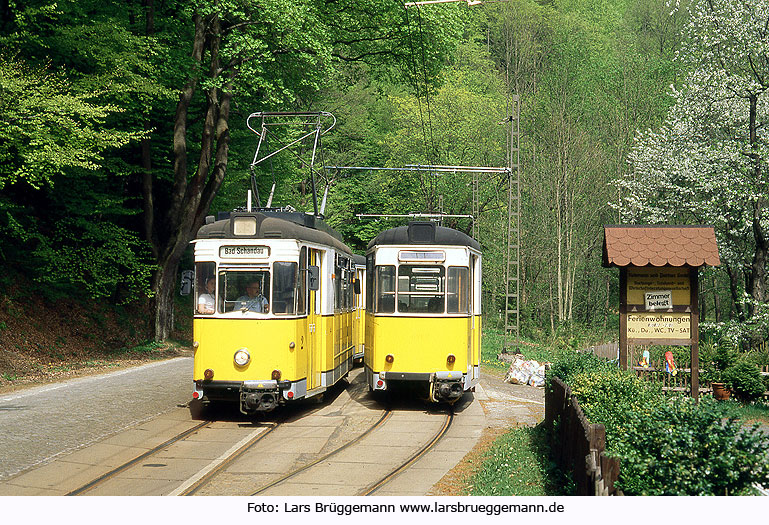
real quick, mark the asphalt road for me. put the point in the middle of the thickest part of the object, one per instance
(39, 424)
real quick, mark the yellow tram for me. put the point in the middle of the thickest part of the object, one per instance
(274, 309)
(423, 311)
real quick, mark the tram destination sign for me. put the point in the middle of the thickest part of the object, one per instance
(244, 252)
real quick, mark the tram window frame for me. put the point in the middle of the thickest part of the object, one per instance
(370, 283)
(460, 302)
(427, 301)
(284, 292)
(237, 279)
(391, 292)
(301, 292)
(203, 271)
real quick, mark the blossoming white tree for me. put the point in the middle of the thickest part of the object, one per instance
(709, 162)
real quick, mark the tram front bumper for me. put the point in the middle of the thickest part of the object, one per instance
(260, 396)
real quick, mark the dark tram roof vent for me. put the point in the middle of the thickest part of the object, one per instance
(422, 232)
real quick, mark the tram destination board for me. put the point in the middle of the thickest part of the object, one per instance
(248, 252)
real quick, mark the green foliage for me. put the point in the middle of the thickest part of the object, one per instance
(744, 380)
(683, 448)
(46, 128)
(612, 396)
(667, 445)
(571, 364)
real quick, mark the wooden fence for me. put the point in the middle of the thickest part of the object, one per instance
(578, 445)
(656, 371)
(609, 351)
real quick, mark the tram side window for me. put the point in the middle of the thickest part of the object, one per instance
(337, 285)
(284, 277)
(421, 289)
(458, 290)
(385, 289)
(370, 283)
(205, 288)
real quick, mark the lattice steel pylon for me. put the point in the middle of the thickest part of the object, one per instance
(513, 253)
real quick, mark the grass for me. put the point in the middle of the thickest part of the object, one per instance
(756, 412)
(493, 340)
(518, 464)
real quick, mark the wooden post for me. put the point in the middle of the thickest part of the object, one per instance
(623, 318)
(695, 332)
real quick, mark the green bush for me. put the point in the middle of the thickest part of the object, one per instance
(611, 396)
(744, 380)
(570, 364)
(682, 448)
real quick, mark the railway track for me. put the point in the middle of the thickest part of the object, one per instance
(206, 476)
(413, 459)
(351, 445)
(385, 416)
(128, 464)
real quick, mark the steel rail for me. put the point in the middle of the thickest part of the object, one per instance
(385, 416)
(205, 479)
(104, 477)
(413, 459)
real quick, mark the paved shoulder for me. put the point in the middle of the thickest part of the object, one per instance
(41, 423)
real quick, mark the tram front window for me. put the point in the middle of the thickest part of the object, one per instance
(246, 291)
(421, 289)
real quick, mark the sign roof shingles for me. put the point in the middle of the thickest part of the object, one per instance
(660, 246)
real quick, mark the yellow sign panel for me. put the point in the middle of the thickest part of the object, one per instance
(659, 326)
(644, 280)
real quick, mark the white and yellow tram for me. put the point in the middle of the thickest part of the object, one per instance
(275, 306)
(423, 313)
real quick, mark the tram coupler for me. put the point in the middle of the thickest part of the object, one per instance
(259, 396)
(447, 387)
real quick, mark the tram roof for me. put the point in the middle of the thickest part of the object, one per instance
(424, 233)
(275, 225)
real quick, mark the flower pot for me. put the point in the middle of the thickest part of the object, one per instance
(720, 391)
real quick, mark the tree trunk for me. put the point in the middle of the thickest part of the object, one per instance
(734, 290)
(191, 196)
(164, 285)
(758, 290)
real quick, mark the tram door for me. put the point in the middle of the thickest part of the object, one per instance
(313, 318)
(475, 348)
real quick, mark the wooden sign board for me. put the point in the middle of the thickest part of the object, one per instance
(661, 328)
(644, 280)
(659, 306)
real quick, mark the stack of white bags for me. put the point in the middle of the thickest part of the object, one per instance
(525, 372)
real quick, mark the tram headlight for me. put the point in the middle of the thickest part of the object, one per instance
(208, 375)
(450, 359)
(242, 357)
(276, 374)
(389, 358)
